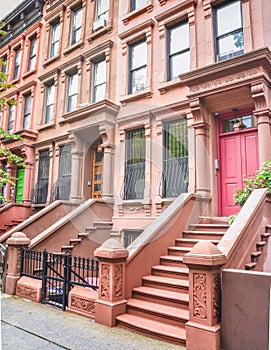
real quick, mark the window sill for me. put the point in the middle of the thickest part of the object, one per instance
(28, 73)
(131, 15)
(50, 60)
(163, 87)
(50, 125)
(97, 33)
(146, 93)
(73, 47)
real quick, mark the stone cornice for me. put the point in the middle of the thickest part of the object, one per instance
(246, 67)
(176, 10)
(141, 27)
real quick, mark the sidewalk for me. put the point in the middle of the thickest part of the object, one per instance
(26, 325)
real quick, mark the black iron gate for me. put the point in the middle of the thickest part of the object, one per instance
(59, 273)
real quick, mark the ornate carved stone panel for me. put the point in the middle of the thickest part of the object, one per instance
(199, 296)
(118, 281)
(216, 296)
(83, 305)
(105, 280)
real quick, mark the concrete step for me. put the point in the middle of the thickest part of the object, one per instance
(202, 235)
(170, 271)
(214, 220)
(190, 242)
(166, 283)
(265, 236)
(157, 312)
(155, 329)
(209, 227)
(161, 296)
(66, 248)
(250, 266)
(260, 245)
(172, 260)
(178, 251)
(255, 256)
(75, 241)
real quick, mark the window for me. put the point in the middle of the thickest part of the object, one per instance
(229, 30)
(134, 184)
(39, 194)
(136, 4)
(55, 35)
(178, 50)
(238, 123)
(175, 162)
(138, 66)
(4, 65)
(32, 54)
(17, 63)
(62, 187)
(102, 9)
(129, 236)
(11, 117)
(99, 81)
(76, 25)
(72, 92)
(27, 111)
(49, 103)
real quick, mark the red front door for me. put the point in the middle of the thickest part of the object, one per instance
(238, 159)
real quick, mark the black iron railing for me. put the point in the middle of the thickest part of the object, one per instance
(174, 177)
(59, 273)
(61, 189)
(40, 192)
(134, 181)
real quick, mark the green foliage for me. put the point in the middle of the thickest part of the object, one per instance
(261, 180)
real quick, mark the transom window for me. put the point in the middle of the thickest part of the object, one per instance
(76, 25)
(72, 92)
(99, 81)
(136, 4)
(49, 103)
(32, 54)
(238, 123)
(138, 66)
(17, 63)
(102, 9)
(178, 50)
(229, 30)
(134, 184)
(55, 36)
(27, 111)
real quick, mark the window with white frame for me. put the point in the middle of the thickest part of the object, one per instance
(137, 66)
(49, 103)
(27, 111)
(72, 92)
(137, 4)
(102, 10)
(11, 118)
(32, 54)
(99, 80)
(178, 50)
(76, 29)
(55, 36)
(229, 30)
(17, 63)
(4, 64)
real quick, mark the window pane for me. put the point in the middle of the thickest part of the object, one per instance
(99, 93)
(73, 84)
(17, 63)
(138, 80)
(237, 124)
(136, 4)
(230, 45)
(11, 118)
(229, 18)
(102, 9)
(76, 26)
(179, 38)
(55, 34)
(138, 55)
(32, 54)
(179, 64)
(49, 103)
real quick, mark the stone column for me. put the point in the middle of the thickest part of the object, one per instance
(111, 300)
(15, 242)
(203, 328)
(29, 155)
(77, 160)
(108, 176)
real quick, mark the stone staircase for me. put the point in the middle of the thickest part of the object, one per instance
(10, 225)
(255, 255)
(97, 227)
(160, 306)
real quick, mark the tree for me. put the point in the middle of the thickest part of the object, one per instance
(5, 152)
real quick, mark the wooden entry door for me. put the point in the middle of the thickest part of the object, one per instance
(239, 158)
(97, 172)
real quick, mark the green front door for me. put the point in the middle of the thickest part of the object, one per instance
(20, 186)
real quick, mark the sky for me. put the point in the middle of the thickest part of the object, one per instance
(6, 6)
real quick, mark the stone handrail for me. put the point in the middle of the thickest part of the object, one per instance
(241, 237)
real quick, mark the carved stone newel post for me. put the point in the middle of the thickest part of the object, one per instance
(111, 301)
(203, 328)
(15, 242)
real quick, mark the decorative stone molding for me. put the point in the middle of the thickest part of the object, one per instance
(259, 93)
(29, 288)
(82, 301)
(199, 295)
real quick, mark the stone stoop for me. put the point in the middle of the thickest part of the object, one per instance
(159, 308)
